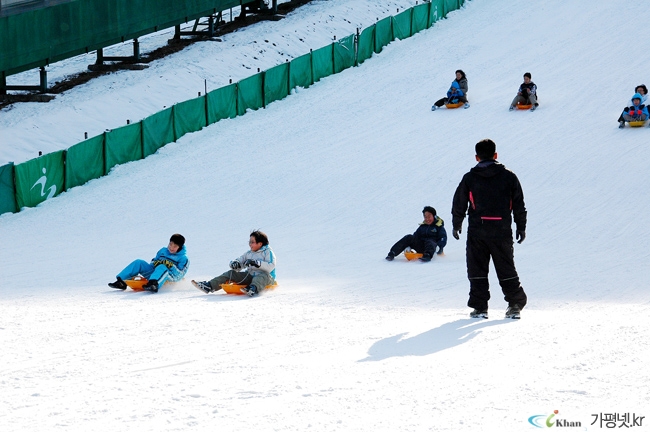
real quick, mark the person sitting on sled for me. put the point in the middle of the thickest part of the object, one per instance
(258, 265)
(171, 263)
(456, 93)
(430, 234)
(527, 94)
(643, 91)
(636, 112)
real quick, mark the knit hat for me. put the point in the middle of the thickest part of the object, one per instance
(179, 240)
(430, 210)
(637, 96)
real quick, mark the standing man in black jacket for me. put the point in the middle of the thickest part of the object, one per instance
(493, 195)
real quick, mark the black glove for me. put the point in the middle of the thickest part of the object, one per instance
(521, 236)
(456, 232)
(252, 263)
(235, 265)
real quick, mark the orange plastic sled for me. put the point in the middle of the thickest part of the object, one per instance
(454, 105)
(136, 283)
(637, 123)
(412, 255)
(233, 288)
(524, 107)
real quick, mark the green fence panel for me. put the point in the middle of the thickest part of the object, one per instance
(300, 72)
(402, 24)
(437, 11)
(276, 83)
(420, 19)
(7, 189)
(366, 44)
(452, 5)
(157, 130)
(222, 103)
(383, 33)
(123, 145)
(250, 93)
(322, 62)
(39, 179)
(84, 161)
(189, 116)
(344, 53)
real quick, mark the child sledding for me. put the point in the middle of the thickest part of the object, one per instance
(429, 236)
(456, 95)
(254, 270)
(636, 114)
(526, 97)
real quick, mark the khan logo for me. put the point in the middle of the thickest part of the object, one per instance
(541, 421)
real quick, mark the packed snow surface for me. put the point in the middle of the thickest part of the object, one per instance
(335, 174)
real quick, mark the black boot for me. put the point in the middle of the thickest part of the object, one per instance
(152, 286)
(118, 284)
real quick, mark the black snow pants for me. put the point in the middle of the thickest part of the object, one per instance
(479, 251)
(424, 246)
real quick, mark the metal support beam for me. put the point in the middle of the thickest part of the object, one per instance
(41, 87)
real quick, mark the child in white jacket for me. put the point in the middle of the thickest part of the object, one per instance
(258, 265)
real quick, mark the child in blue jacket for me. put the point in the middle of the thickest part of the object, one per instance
(430, 234)
(258, 265)
(456, 93)
(636, 112)
(171, 263)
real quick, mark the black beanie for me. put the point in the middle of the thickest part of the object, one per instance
(178, 240)
(430, 210)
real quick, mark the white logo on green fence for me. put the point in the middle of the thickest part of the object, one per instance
(43, 181)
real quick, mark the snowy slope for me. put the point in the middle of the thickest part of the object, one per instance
(335, 174)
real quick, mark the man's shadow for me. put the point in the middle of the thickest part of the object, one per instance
(446, 336)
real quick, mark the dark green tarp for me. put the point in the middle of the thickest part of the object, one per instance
(250, 93)
(39, 179)
(300, 72)
(7, 189)
(420, 18)
(222, 103)
(123, 145)
(383, 33)
(157, 130)
(344, 53)
(84, 161)
(402, 24)
(276, 83)
(190, 116)
(366, 44)
(322, 62)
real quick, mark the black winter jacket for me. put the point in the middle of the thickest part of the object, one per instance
(493, 195)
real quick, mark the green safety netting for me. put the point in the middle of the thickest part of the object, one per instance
(157, 131)
(222, 103)
(452, 5)
(123, 145)
(190, 116)
(420, 18)
(276, 83)
(300, 72)
(366, 44)
(84, 161)
(402, 24)
(39, 179)
(436, 11)
(383, 33)
(322, 62)
(7, 189)
(344, 55)
(250, 93)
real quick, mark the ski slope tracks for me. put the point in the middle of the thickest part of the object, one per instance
(335, 174)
